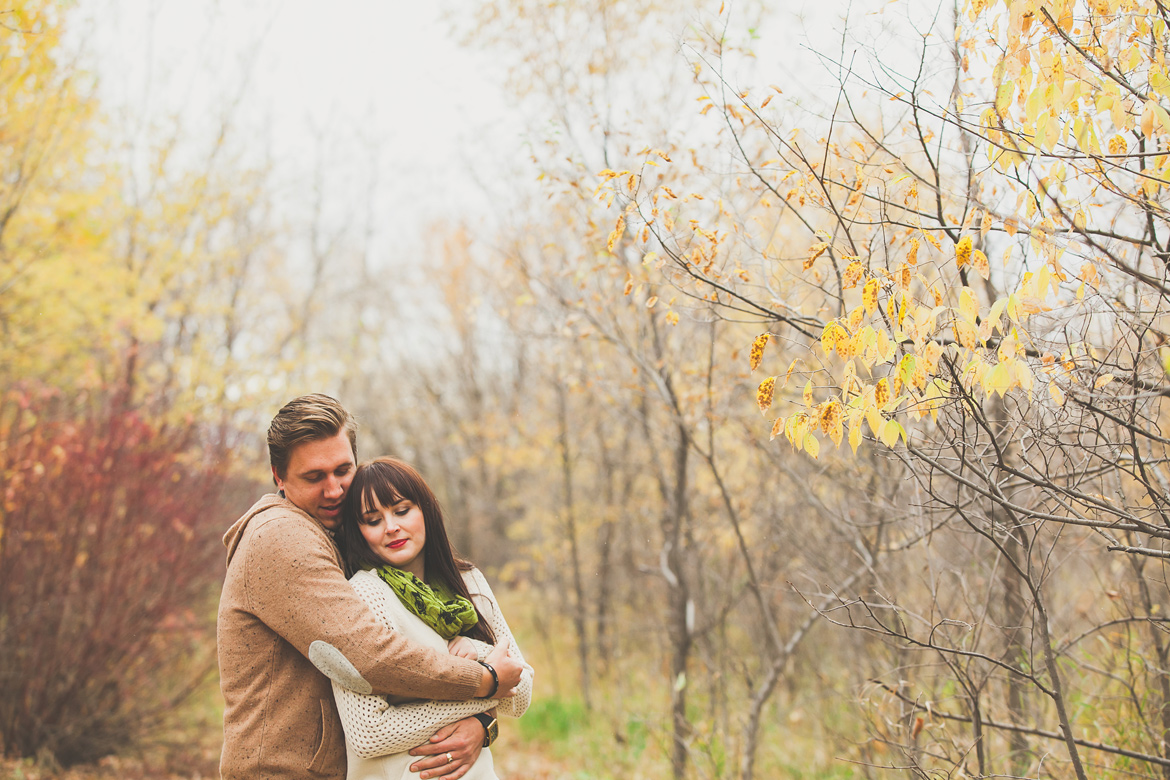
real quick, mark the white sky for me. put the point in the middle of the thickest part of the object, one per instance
(382, 83)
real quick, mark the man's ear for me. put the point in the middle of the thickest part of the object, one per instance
(276, 479)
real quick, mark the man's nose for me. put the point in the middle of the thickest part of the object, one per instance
(335, 489)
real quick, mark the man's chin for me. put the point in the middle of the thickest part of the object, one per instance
(330, 520)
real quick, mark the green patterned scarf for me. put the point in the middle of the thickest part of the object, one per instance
(442, 610)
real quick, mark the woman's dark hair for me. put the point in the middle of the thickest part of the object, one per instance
(388, 481)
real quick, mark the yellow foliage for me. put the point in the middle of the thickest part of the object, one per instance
(852, 275)
(757, 353)
(869, 295)
(764, 393)
(963, 251)
(815, 251)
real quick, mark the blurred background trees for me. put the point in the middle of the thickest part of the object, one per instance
(930, 252)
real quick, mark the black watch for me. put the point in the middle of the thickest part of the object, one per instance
(491, 728)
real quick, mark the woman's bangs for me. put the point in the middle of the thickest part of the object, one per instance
(379, 488)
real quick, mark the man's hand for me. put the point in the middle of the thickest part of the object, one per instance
(460, 742)
(508, 670)
(462, 647)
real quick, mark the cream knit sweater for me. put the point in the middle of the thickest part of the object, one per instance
(377, 733)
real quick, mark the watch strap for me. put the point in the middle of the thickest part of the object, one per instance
(491, 728)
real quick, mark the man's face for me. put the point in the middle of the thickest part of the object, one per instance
(319, 473)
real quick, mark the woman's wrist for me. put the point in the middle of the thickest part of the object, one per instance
(489, 683)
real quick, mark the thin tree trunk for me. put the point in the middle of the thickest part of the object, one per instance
(580, 615)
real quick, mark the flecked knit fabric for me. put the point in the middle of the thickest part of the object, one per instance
(285, 593)
(378, 733)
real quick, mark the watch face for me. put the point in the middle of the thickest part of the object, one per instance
(493, 731)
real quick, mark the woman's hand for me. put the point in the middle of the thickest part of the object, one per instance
(507, 668)
(462, 647)
(451, 751)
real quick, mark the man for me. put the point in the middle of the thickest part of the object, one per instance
(288, 618)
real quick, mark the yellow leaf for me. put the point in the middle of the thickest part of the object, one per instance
(814, 251)
(811, 445)
(889, 434)
(777, 428)
(855, 318)
(875, 419)
(1056, 393)
(980, 264)
(869, 296)
(852, 275)
(791, 367)
(881, 394)
(885, 347)
(998, 379)
(757, 353)
(912, 255)
(1148, 114)
(822, 418)
(831, 337)
(764, 393)
(855, 435)
(1102, 380)
(963, 251)
(808, 393)
(1024, 377)
(968, 305)
(617, 233)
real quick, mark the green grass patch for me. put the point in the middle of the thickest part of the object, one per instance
(553, 720)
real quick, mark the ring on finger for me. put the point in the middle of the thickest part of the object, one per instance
(450, 757)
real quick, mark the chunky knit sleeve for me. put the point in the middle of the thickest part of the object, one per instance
(485, 600)
(375, 728)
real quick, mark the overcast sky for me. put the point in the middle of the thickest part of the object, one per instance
(363, 84)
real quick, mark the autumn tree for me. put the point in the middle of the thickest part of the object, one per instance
(960, 257)
(644, 423)
(128, 274)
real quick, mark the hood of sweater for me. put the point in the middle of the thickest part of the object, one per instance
(231, 539)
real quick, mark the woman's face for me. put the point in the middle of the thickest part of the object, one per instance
(396, 534)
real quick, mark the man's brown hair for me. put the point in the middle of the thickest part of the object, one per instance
(308, 418)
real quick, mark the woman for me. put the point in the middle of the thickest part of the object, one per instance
(400, 561)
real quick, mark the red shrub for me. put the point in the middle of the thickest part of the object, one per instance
(109, 557)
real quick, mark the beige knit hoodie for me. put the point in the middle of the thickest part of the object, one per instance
(285, 601)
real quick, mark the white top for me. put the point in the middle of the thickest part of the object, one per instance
(378, 734)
